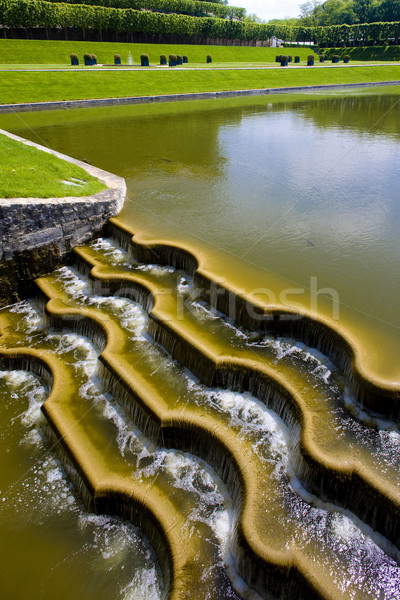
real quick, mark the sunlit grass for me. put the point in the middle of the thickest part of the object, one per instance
(47, 86)
(28, 172)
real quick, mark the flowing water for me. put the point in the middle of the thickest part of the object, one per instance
(225, 430)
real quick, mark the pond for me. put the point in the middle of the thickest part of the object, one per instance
(290, 201)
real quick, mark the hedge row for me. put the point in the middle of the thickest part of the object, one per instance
(367, 33)
(39, 13)
(195, 8)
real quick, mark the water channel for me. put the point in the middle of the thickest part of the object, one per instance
(291, 202)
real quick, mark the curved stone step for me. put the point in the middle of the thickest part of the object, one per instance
(335, 476)
(376, 393)
(200, 434)
(106, 486)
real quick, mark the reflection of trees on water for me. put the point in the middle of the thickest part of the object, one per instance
(375, 114)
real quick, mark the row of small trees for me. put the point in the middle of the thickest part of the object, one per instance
(38, 13)
(173, 61)
(195, 8)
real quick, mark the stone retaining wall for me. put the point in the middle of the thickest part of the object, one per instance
(37, 235)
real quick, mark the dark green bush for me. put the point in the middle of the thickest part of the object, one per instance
(209, 58)
(185, 59)
(335, 58)
(322, 58)
(163, 59)
(310, 60)
(290, 58)
(346, 58)
(74, 59)
(94, 59)
(179, 59)
(297, 59)
(172, 60)
(278, 58)
(284, 60)
(88, 59)
(117, 59)
(144, 60)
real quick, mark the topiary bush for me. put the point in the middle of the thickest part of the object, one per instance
(179, 59)
(74, 60)
(322, 58)
(335, 58)
(278, 58)
(163, 59)
(144, 60)
(290, 58)
(297, 59)
(117, 59)
(185, 60)
(88, 59)
(346, 58)
(284, 60)
(94, 59)
(310, 60)
(172, 60)
(209, 58)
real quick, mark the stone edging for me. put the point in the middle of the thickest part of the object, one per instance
(37, 106)
(37, 234)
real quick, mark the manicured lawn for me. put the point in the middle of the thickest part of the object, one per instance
(58, 52)
(28, 172)
(45, 86)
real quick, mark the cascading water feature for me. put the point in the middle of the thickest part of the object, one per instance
(214, 451)
(329, 546)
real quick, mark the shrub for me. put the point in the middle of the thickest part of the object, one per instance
(144, 60)
(310, 60)
(289, 58)
(278, 58)
(179, 59)
(209, 58)
(335, 58)
(284, 60)
(74, 59)
(163, 59)
(297, 59)
(185, 59)
(346, 58)
(322, 58)
(117, 59)
(94, 59)
(172, 60)
(88, 59)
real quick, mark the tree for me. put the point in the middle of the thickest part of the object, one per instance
(389, 10)
(309, 13)
(252, 18)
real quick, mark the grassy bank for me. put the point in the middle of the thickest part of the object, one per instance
(46, 86)
(28, 172)
(367, 53)
(58, 52)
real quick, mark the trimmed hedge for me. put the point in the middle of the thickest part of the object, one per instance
(195, 8)
(39, 13)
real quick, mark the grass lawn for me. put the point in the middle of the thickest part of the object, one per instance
(45, 86)
(28, 172)
(58, 52)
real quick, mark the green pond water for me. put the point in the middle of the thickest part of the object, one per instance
(280, 196)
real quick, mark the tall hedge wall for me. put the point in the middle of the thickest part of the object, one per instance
(195, 8)
(39, 13)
